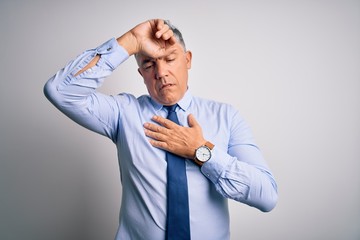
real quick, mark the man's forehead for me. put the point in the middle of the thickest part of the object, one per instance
(174, 49)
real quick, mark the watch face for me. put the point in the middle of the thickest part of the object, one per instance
(203, 154)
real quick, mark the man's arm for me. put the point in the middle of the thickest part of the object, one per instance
(240, 173)
(151, 38)
(75, 94)
(73, 89)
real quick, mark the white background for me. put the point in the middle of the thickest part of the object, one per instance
(292, 68)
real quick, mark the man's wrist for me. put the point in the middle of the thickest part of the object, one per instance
(128, 42)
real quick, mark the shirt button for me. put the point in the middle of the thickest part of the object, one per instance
(108, 49)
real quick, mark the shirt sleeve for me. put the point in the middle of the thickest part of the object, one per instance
(241, 173)
(76, 96)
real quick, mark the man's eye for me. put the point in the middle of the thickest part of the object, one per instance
(170, 59)
(147, 66)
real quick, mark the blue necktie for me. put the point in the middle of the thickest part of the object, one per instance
(178, 223)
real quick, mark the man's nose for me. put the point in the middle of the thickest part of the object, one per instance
(161, 70)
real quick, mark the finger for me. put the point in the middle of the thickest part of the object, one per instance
(167, 35)
(172, 39)
(155, 135)
(159, 144)
(162, 28)
(164, 122)
(192, 121)
(154, 127)
(159, 23)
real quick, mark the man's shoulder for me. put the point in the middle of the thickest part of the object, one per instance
(212, 103)
(129, 98)
(130, 102)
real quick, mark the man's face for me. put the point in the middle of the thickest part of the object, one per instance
(166, 77)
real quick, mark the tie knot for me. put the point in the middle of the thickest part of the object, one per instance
(172, 114)
(171, 108)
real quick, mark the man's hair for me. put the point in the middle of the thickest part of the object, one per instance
(177, 33)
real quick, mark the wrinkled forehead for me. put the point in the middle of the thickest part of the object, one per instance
(174, 49)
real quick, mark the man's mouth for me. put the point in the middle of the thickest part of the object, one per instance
(166, 86)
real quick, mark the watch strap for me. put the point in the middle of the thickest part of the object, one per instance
(209, 145)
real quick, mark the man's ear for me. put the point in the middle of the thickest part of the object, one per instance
(188, 56)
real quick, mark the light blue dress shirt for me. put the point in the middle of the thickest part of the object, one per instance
(236, 170)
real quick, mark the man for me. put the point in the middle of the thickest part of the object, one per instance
(218, 155)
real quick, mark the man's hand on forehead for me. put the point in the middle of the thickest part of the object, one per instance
(151, 38)
(163, 37)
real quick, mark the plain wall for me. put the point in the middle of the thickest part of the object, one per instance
(290, 67)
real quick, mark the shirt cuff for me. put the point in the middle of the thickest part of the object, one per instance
(213, 168)
(112, 53)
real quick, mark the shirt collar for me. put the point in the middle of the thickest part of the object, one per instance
(184, 103)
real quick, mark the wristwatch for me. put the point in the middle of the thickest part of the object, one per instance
(203, 153)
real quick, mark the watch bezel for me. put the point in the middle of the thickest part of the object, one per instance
(198, 150)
